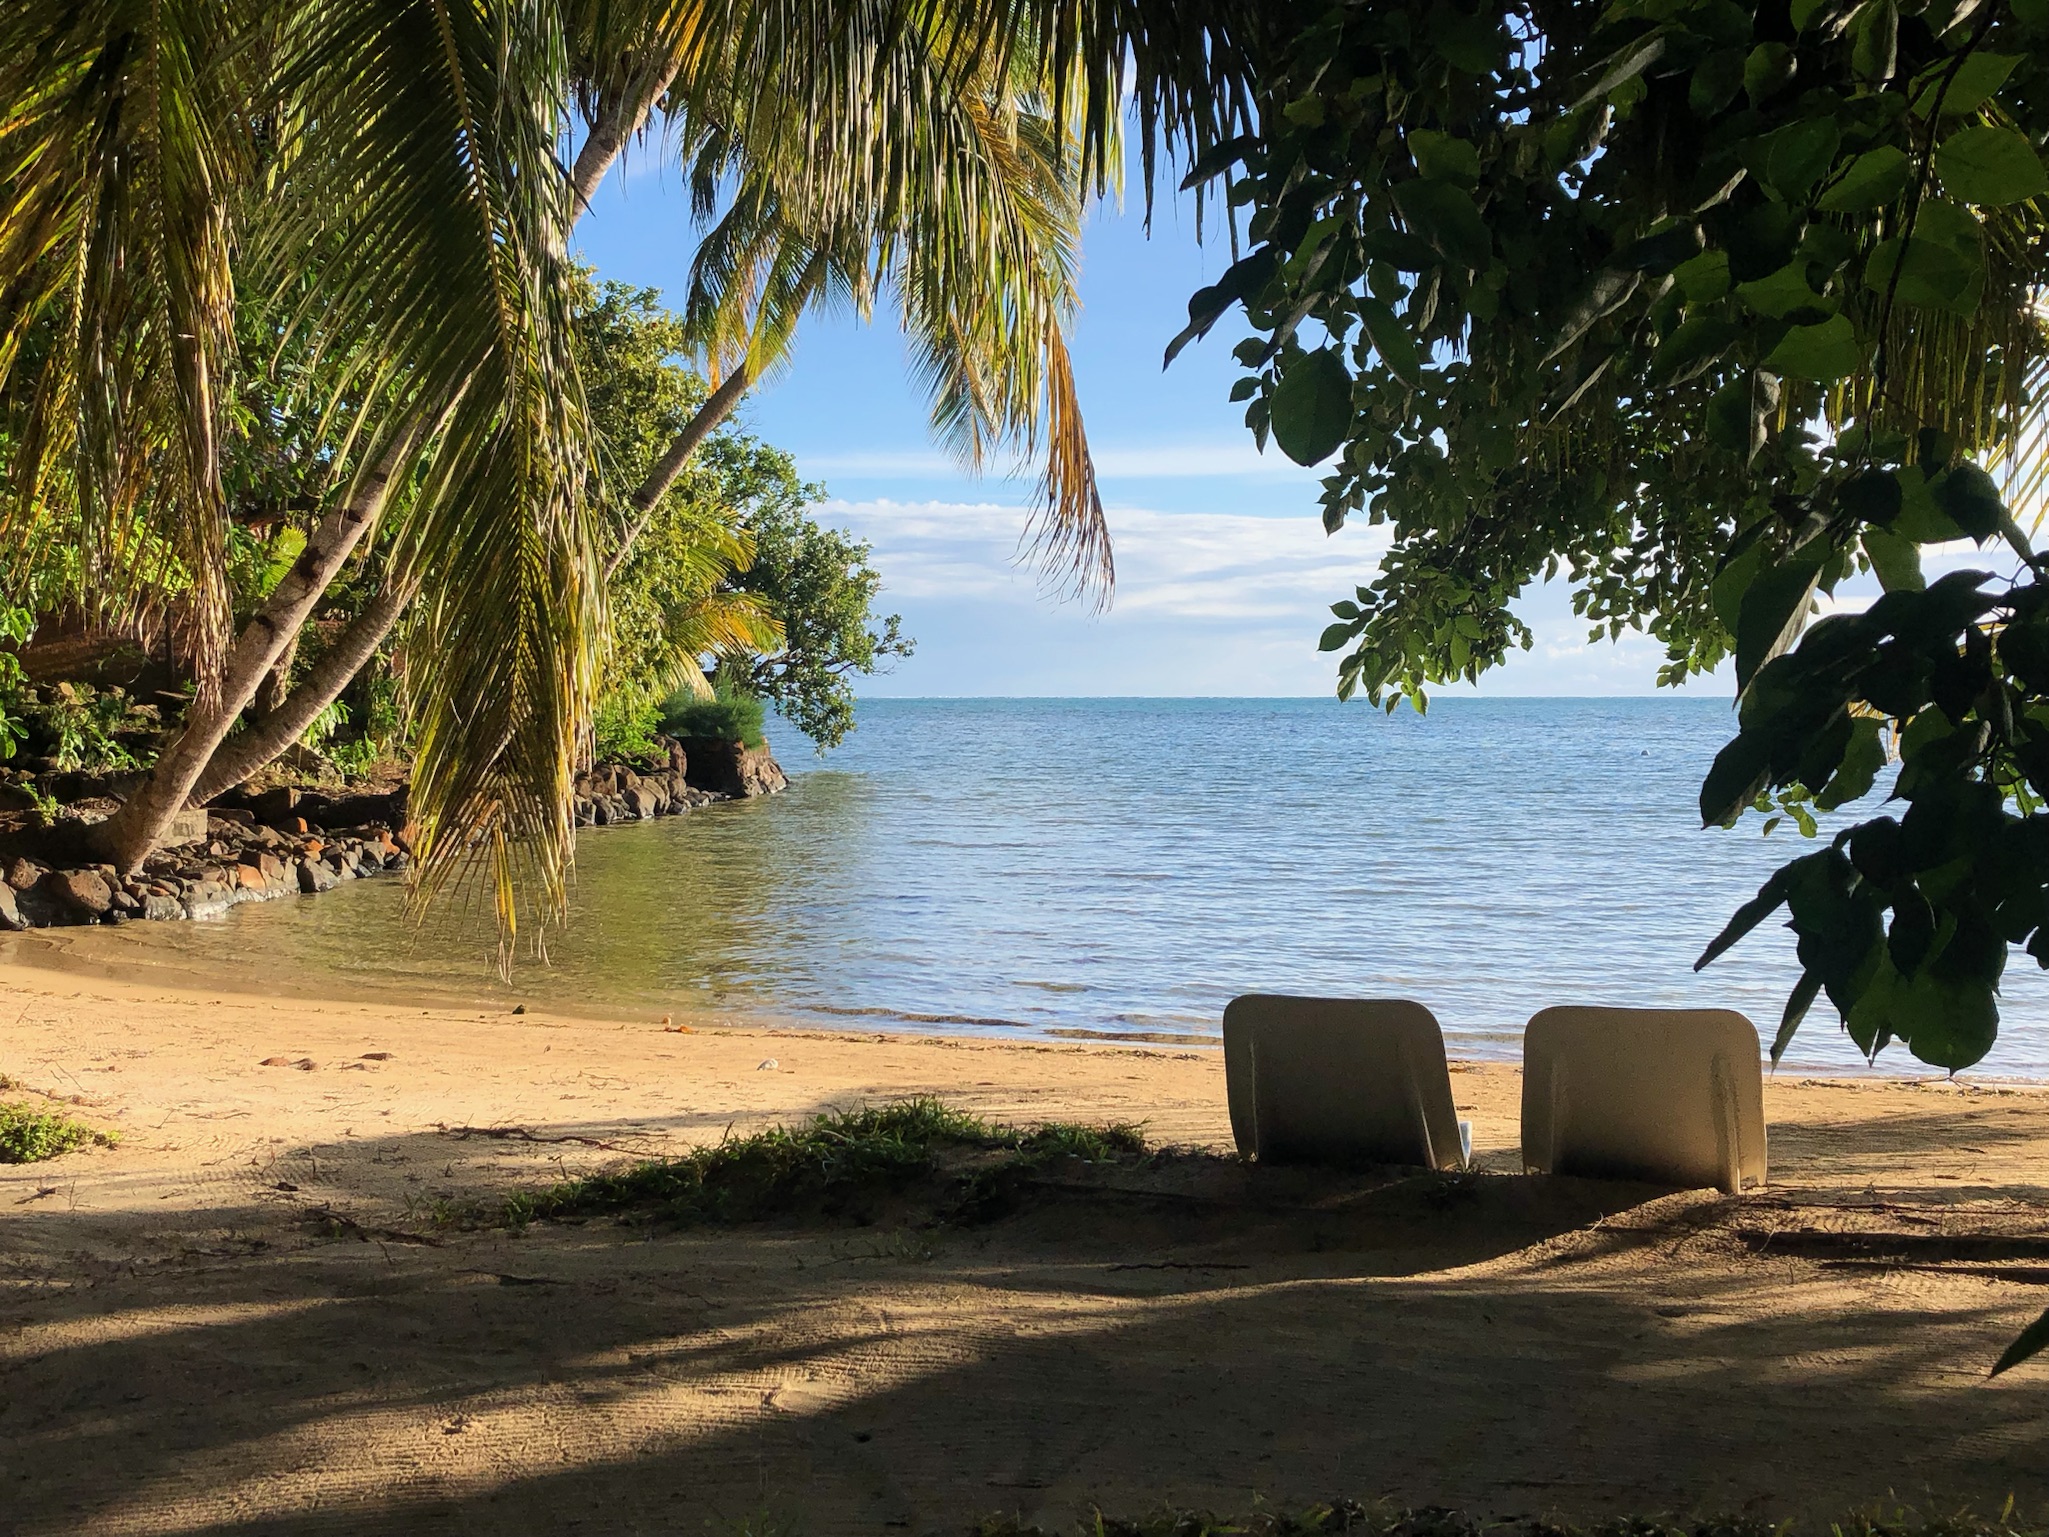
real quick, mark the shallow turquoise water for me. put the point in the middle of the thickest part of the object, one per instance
(1123, 867)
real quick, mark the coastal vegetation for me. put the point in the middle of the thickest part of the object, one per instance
(347, 227)
(30, 1135)
(1711, 308)
(950, 1162)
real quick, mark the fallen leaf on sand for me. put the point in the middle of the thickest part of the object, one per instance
(303, 1064)
(376, 1056)
(676, 1029)
(768, 1066)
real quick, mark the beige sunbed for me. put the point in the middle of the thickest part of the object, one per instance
(1340, 1080)
(1674, 1096)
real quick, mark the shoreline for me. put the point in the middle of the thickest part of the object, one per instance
(60, 952)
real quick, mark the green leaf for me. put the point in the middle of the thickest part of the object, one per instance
(1447, 218)
(1392, 339)
(1738, 773)
(1624, 67)
(1770, 897)
(1440, 157)
(1705, 278)
(1305, 111)
(1946, 1022)
(1895, 559)
(1874, 46)
(1312, 407)
(1767, 71)
(1335, 636)
(1774, 608)
(1716, 80)
(1797, 156)
(1786, 295)
(1990, 166)
(1943, 265)
(1692, 349)
(1863, 761)
(1805, 991)
(1823, 353)
(1734, 418)
(1875, 178)
(1466, 42)
(1970, 499)
(1976, 78)
(2030, 1342)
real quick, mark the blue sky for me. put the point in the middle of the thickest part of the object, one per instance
(1225, 573)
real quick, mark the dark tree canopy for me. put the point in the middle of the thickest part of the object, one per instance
(1710, 306)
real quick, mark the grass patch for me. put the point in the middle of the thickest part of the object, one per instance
(843, 1164)
(29, 1135)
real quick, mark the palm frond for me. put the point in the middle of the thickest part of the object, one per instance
(419, 138)
(124, 139)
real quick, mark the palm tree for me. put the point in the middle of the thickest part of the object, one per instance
(161, 158)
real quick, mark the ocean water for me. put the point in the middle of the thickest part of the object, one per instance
(1122, 867)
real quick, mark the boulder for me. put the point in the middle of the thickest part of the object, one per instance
(205, 898)
(734, 769)
(642, 800)
(10, 909)
(315, 877)
(251, 878)
(162, 907)
(223, 820)
(23, 873)
(84, 892)
(269, 868)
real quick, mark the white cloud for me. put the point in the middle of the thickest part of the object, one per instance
(1206, 603)
(1160, 461)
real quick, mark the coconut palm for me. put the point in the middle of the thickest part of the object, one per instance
(160, 159)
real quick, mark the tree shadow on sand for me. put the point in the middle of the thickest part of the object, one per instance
(1199, 1332)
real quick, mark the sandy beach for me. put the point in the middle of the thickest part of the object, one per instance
(244, 1318)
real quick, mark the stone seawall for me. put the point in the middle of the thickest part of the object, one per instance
(301, 841)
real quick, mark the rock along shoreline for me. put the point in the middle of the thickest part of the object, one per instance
(302, 840)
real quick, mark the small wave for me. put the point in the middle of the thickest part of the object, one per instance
(917, 1019)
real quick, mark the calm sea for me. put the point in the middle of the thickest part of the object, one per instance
(1122, 867)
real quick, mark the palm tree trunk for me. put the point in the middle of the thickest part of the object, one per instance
(271, 733)
(716, 408)
(201, 763)
(128, 837)
(618, 120)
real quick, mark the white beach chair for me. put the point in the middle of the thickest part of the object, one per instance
(1340, 1080)
(1674, 1096)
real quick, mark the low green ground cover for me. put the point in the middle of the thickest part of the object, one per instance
(844, 1163)
(30, 1135)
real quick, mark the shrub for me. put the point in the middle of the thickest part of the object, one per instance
(28, 1135)
(625, 729)
(728, 716)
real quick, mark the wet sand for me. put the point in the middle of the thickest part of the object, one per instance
(182, 1350)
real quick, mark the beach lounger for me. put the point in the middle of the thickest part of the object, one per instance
(1340, 1080)
(1674, 1096)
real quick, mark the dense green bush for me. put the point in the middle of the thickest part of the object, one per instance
(28, 1135)
(728, 716)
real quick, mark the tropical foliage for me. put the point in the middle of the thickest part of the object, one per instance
(380, 184)
(1712, 306)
